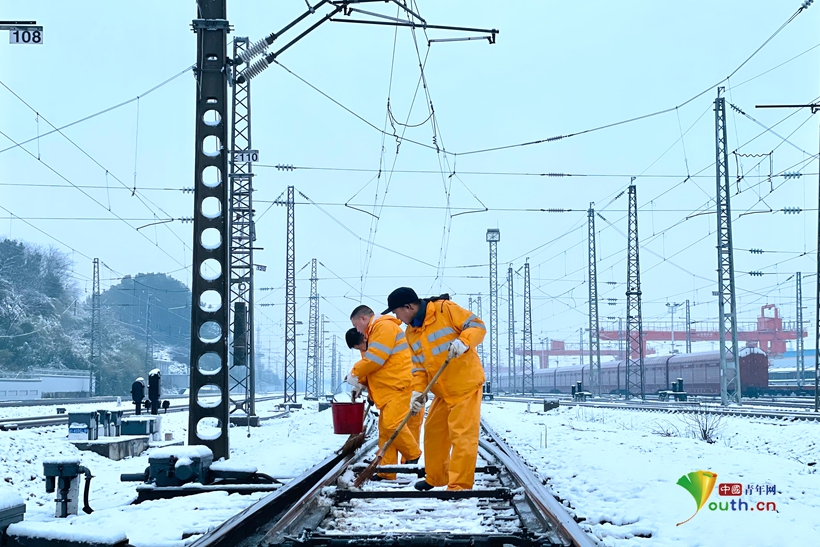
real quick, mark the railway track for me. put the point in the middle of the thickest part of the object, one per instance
(12, 424)
(789, 412)
(508, 506)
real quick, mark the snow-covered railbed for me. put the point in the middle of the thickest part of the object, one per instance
(618, 472)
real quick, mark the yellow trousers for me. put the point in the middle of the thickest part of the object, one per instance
(390, 416)
(451, 441)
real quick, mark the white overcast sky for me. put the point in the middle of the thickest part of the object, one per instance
(558, 68)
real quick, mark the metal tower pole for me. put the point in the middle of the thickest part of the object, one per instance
(688, 330)
(493, 237)
(528, 372)
(320, 376)
(621, 354)
(290, 303)
(730, 388)
(479, 311)
(311, 388)
(581, 347)
(149, 338)
(594, 330)
(241, 373)
(635, 382)
(209, 325)
(335, 379)
(94, 386)
(801, 364)
(512, 382)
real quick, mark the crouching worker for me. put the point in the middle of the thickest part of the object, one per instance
(386, 370)
(438, 329)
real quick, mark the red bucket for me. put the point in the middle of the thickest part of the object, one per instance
(347, 417)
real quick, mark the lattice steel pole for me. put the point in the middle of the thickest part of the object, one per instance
(94, 386)
(149, 336)
(241, 372)
(801, 364)
(208, 425)
(512, 381)
(730, 389)
(594, 331)
(311, 390)
(635, 383)
(528, 372)
(493, 237)
(320, 377)
(688, 330)
(335, 378)
(290, 302)
(479, 311)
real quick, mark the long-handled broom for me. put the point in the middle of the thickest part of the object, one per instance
(365, 475)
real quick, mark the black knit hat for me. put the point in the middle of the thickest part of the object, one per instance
(400, 297)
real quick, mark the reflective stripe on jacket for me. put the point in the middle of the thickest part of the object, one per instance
(444, 322)
(385, 367)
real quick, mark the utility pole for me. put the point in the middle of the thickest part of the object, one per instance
(581, 347)
(635, 381)
(621, 354)
(94, 385)
(320, 377)
(493, 237)
(209, 326)
(801, 364)
(688, 330)
(311, 375)
(335, 379)
(241, 389)
(290, 303)
(479, 312)
(729, 364)
(594, 331)
(511, 379)
(149, 338)
(815, 107)
(528, 372)
(672, 307)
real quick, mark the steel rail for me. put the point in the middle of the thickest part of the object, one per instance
(7, 424)
(282, 517)
(538, 494)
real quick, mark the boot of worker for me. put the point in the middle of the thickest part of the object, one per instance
(464, 421)
(436, 446)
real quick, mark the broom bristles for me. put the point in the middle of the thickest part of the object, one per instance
(368, 472)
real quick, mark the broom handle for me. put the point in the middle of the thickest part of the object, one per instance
(410, 413)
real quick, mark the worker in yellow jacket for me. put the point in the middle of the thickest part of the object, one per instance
(386, 369)
(356, 340)
(438, 329)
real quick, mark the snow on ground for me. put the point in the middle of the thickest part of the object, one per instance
(281, 447)
(618, 471)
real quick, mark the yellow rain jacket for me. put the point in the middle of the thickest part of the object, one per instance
(444, 321)
(386, 370)
(453, 421)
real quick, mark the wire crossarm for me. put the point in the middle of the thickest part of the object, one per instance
(344, 7)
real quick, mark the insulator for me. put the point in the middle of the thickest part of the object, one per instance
(282, 167)
(806, 4)
(756, 274)
(255, 50)
(253, 70)
(756, 251)
(187, 190)
(792, 175)
(792, 210)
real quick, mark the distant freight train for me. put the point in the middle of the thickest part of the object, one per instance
(700, 373)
